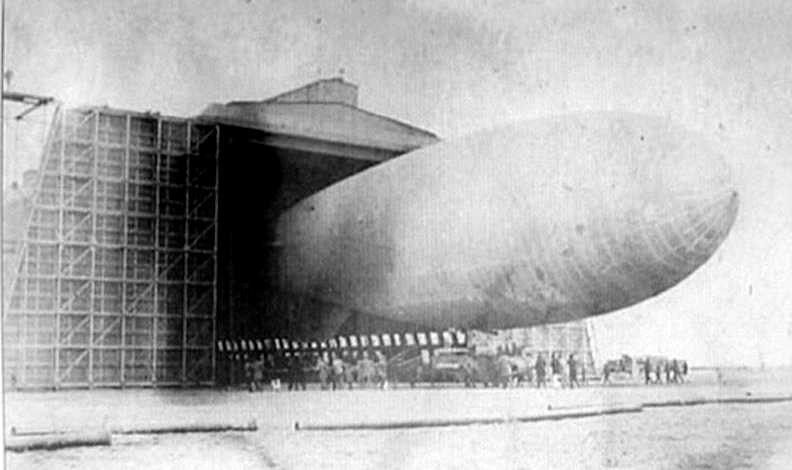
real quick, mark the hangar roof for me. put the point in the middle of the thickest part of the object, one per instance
(324, 110)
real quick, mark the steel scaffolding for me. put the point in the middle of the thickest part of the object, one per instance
(117, 276)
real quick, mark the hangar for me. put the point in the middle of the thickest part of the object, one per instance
(146, 239)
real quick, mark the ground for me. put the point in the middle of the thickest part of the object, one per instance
(707, 436)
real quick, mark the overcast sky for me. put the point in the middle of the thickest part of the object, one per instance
(453, 66)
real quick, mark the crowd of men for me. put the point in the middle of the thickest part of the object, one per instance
(334, 372)
(674, 371)
(557, 370)
(346, 370)
(654, 370)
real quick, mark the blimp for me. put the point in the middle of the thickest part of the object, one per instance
(539, 221)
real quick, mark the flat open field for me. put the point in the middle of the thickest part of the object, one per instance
(705, 436)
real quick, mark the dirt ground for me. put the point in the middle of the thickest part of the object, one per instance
(708, 436)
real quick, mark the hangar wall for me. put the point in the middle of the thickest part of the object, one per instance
(117, 272)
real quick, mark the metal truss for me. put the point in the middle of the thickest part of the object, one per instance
(117, 276)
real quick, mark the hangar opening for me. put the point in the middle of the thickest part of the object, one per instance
(146, 237)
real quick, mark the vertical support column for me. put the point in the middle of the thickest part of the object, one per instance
(125, 251)
(186, 273)
(24, 315)
(214, 251)
(60, 241)
(19, 288)
(18, 314)
(93, 242)
(155, 274)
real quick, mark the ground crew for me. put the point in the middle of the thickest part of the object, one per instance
(381, 370)
(468, 372)
(555, 367)
(365, 369)
(324, 373)
(606, 370)
(540, 370)
(350, 371)
(258, 373)
(504, 371)
(337, 373)
(675, 371)
(296, 372)
(572, 365)
(248, 366)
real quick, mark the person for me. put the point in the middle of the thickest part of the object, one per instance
(684, 371)
(293, 371)
(324, 373)
(381, 370)
(233, 372)
(667, 368)
(675, 371)
(248, 365)
(350, 371)
(526, 369)
(659, 372)
(647, 368)
(418, 376)
(504, 370)
(540, 370)
(572, 365)
(258, 373)
(365, 369)
(606, 370)
(301, 370)
(555, 366)
(337, 377)
(274, 363)
(468, 372)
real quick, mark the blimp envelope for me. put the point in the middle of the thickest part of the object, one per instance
(537, 222)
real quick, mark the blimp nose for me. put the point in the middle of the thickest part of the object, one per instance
(701, 206)
(703, 226)
(683, 208)
(700, 185)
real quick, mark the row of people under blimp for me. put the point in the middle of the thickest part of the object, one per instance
(334, 371)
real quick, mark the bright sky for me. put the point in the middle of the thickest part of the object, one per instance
(452, 66)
